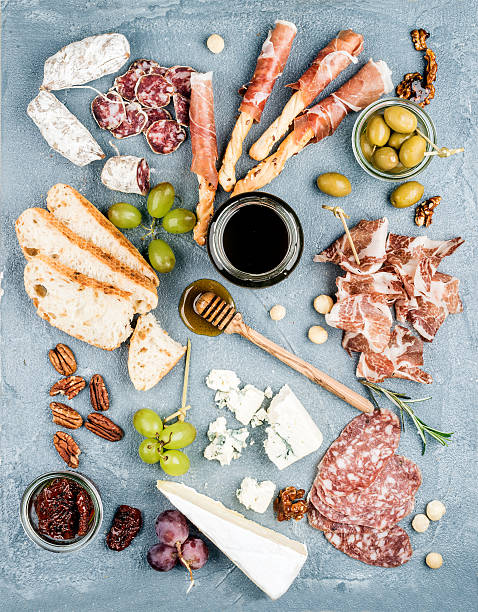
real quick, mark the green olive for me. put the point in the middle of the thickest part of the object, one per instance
(412, 151)
(160, 199)
(396, 139)
(398, 168)
(385, 158)
(124, 215)
(400, 119)
(378, 131)
(334, 184)
(179, 221)
(161, 256)
(367, 148)
(407, 194)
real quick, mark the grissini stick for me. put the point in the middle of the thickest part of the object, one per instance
(320, 121)
(224, 316)
(270, 64)
(204, 148)
(329, 63)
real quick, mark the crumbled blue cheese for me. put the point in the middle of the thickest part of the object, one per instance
(292, 433)
(256, 495)
(223, 380)
(259, 418)
(243, 403)
(268, 392)
(226, 444)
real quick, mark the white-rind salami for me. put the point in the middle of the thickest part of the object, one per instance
(181, 109)
(126, 173)
(153, 90)
(62, 130)
(165, 136)
(108, 110)
(155, 114)
(134, 123)
(180, 77)
(85, 60)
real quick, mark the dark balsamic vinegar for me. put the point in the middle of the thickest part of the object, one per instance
(255, 239)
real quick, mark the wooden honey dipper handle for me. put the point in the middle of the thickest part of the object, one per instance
(232, 322)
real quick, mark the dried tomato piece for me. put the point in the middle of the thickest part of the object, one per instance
(86, 511)
(290, 504)
(126, 524)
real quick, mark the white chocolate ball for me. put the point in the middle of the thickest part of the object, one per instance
(434, 560)
(420, 523)
(317, 334)
(277, 312)
(215, 43)
(435, 510)
(323, 304)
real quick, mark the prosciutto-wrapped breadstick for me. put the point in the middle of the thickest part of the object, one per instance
(204, 146)
(321, 120)
(329, 63)
(270, 64)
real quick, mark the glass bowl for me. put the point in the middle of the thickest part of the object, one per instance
(29, 518)
(424, 124)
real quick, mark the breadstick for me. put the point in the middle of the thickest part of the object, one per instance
(204, 210)
(227, 173)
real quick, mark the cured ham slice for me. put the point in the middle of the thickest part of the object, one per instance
(367, 314)
(270, 65)
(204, 148)
(369, 237)
(320, 121)
(384, 283)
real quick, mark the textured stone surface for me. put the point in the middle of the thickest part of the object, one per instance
(174, 32)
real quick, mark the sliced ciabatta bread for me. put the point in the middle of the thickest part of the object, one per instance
(91, 311)
(85, 219)
(152, 353)
(39, 232)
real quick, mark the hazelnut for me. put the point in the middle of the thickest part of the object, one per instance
(420, 523)
(317, 334)
(434, 560)
(277, 312)
(323, 304)
(215, 43)
(435, 510)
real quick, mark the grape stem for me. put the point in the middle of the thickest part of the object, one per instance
(186, 564)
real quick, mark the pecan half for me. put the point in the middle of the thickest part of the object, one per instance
(431, 68)
(424, 211)
(103, 427)
(419, 39)
(64, 416)
(413, 88)
(98, 393)
(67, 448)
(62, 359)
(69, 386)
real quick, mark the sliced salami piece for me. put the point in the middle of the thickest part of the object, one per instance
(159, 70)
(181, 109)
(359, 454)
(385, 548)
(155, 114)
(145, 65)
(180, 77)
(108, 110)
(165, 136)
(153, 90)
(125, 84)
(134, 123)
(126, 173)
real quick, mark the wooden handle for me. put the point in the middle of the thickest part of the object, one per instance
(237, 326)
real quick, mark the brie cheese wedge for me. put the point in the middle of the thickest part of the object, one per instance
(271, 560)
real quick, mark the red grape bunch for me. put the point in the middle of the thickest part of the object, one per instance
(175, 545)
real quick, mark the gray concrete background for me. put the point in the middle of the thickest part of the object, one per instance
(174, 32)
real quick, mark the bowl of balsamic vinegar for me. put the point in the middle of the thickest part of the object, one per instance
(255, 239)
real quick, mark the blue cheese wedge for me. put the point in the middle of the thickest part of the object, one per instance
(223, 380)
(244, 403)
(256, 495)
(291, 434)
(226, 444)
(271, 560)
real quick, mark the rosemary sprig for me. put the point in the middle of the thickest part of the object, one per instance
(399, 400)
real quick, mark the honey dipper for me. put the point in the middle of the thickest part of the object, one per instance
(225, 317)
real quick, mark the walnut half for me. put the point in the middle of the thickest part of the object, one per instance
(424, 211)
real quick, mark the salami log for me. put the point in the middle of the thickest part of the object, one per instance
(134, 123)
(180, 78)
(62, 130)
(85, 60)
(153, 90)
(165, 136)
(126, 173)
(155, 114)
(108, 110)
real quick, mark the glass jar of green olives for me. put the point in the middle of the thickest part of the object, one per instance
(385, 143)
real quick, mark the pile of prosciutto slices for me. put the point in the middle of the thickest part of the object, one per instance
(398, 270)
(136, 104)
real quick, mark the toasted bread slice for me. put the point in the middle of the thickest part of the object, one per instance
(38, 231)
(152, 353)
(83, 218)
(82, 307)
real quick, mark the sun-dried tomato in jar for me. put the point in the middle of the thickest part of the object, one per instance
(290, 504)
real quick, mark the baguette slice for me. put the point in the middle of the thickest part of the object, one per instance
(152, 353)
(85, 219)
(84, 308)
(38, 231)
